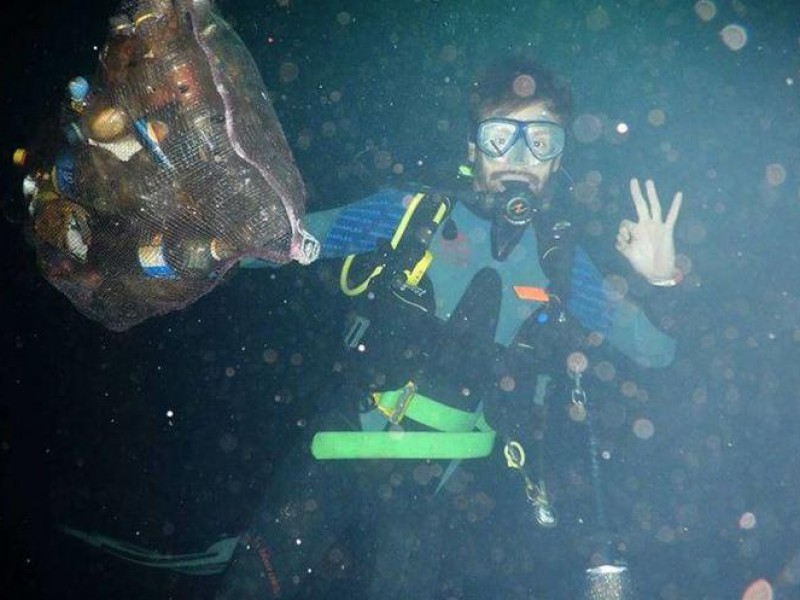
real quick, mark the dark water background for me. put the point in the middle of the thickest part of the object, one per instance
(366, 90)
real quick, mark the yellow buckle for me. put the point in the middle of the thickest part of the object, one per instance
(396, 414)
(414, 276)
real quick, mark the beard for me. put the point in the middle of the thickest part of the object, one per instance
(496, 180)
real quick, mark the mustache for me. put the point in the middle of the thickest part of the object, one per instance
(507, 175)
(503, 177)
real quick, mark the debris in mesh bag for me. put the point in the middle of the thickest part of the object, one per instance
(171, 166)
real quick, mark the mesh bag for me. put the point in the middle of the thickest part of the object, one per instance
(176, 168)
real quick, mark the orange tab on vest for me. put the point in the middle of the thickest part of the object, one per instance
(530, 293)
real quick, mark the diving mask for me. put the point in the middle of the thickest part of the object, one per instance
(498, 137)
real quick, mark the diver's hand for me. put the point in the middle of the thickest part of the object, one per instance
(649, 244)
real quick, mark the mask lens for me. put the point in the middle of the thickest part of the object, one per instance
(496, 137)
(546, 140)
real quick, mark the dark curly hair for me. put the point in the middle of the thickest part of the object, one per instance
(513, 82)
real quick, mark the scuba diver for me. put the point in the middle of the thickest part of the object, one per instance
(465, 306)
(464, 302)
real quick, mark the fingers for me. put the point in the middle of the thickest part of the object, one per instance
(674, 209)
(650, 209)
(624, 235)
(623, 247)
(638, 200)
(655, 203)
(626, 228)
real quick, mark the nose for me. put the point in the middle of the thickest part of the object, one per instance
(520, 154)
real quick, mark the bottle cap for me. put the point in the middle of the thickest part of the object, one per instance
(78, 88)
(20, 157)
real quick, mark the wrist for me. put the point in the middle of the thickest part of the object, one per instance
(669, 281)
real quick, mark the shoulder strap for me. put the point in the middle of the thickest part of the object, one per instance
(555, 240)
(405, 257)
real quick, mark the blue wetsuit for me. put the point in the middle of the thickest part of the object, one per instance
(287, 539)
(358, 228)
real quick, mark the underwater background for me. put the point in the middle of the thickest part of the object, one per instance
(166, 435)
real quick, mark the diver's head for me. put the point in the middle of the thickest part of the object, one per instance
(517, 132)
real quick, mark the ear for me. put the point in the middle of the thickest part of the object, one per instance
(472, 152)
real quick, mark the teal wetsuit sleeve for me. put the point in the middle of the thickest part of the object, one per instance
(624, 324)
(355, 228)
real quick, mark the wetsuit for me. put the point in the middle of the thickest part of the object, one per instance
(453, 340)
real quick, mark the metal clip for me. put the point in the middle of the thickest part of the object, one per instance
(408, 393)
(396, 415)
(578, 394)
(544, 512)
(356, 332)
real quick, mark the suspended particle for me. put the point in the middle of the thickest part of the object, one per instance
(584, 192)
(507, 383)
(643, 429)
(775, 174)
(629, 389)
(577, 412)
(656, 117)
(615, 287)
(597, 19)
(524, 86)
(328, 129)
(449, 53)
(747, 521)
(270, 356)
(344, 18)
(587, 128)
(594, 178)
(705, 10)
(665, 534)
(594, 339)
(288, 72)
(382, 160)
(734, 36)
(336, 556)
(422, 474)
(730, 333)
(605, 371)
(622, 128)
(696, 233)
(577, 363)
(230, 371)
(304, 139)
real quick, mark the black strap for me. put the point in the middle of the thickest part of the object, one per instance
(555, 239)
